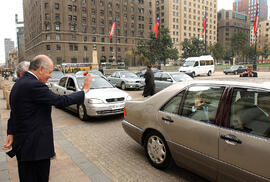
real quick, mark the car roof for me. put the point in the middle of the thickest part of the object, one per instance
(264, 85)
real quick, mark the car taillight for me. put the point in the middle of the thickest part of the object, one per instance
(125, 112)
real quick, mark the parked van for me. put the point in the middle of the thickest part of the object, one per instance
(203, 65)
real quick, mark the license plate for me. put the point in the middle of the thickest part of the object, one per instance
(118, 106)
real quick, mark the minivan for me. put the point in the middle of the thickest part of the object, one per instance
(203, 65)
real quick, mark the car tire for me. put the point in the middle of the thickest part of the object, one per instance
(157, 151)
(123, 86)
(82, 112)
(226, 73)
(193, 74)
(209, 73)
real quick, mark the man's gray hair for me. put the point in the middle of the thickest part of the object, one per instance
(37, 62)
(22, 67)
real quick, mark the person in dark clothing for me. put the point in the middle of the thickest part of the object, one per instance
(101, 69)
(29, 128)
(149, 88)
(249, 73)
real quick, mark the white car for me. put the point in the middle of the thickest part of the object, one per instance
(102, 99)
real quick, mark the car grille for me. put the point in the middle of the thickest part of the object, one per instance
(115, 99)
(138, 81)
(111, 111)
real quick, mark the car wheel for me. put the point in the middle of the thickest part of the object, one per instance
(235, 72)
(193, 74)
(226, 73)
(82, 112)
(157, 151)
(209, 73)
(123, 86)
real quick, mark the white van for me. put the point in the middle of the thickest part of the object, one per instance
(203, 65)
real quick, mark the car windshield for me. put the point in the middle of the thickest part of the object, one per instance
(128, 75)
(181, 77)
(234, 67)
(97, 82)
(96, 72)
(188, 63)
(57, 74)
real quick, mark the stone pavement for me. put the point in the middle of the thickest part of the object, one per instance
(68, 166)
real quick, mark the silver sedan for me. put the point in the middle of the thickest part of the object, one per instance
(126, 79)
(102, 99)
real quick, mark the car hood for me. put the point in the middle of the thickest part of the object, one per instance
(132, 79)
(106, 93)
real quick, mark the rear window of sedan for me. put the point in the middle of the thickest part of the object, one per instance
(97, 82)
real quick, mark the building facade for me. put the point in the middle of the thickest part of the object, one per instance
(264, 35)
(20, 39)
(9, 45)
(67, 30)
(230, 23)
(184, 19)
(249, 7)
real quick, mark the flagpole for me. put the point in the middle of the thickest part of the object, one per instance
(255, 60)
(205, 43)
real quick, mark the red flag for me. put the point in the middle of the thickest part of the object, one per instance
(255, 23)
(204, 23)
(156, 27)
(113, 27)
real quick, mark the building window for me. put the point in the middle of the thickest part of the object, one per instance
(85, 48)
(56, 5)
(84, 38)
(57, 16)
(48, 37)
(103, 49)
(70, 47)
(57, 37)
(48, 47)
(69, 7)
(102, 39)
(46, 5)
(47, 27)
(47, 16)
(73, 37)
(57, 27)
(84, 29)
(75, 47)
(94, 39)
(58, 47)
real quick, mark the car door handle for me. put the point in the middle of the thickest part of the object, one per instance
(167, 119)
(230, 139)
(64, 92)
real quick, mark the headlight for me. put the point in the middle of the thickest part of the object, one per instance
(128, 97)
(94, 101)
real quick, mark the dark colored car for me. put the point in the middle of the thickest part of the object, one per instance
(142, 72)
(236, 69)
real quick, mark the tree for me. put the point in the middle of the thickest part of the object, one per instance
(265, 52)
(192, 47)
(218, 50)
(238, 43)
(158, 49)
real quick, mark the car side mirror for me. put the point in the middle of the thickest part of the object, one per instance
(71, 88)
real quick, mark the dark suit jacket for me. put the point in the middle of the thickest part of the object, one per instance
(30, 117)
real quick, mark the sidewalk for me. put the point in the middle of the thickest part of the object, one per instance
(63, 167)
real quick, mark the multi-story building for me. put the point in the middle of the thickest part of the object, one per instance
(68, 30)
(230, 23)
(264, 35)
(249, 8)
(20, 38)
(9, 45)
(184, 19)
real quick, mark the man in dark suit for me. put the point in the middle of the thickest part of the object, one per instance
(30, 130)
(149, 88)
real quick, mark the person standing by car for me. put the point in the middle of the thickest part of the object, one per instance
(29, 129)
(149, 88)
(249, 73)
